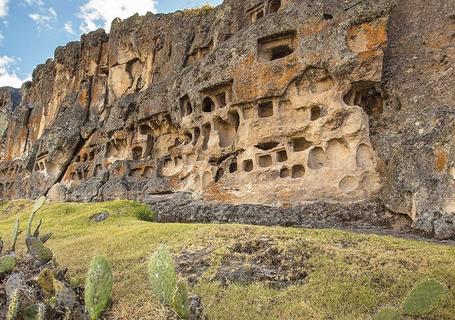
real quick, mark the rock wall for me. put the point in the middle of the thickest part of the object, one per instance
(272, 103)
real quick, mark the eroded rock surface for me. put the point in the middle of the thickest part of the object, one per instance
(284, 105)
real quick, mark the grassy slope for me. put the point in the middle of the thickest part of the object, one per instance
(351, 276)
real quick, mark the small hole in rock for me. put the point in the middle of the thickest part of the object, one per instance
(281, 52)
(281, 156)
(265, 161)
(219, 174)
(298, 171)
(208, 105)
(284, 172)
(197, 133)
(316, 113)
(221, 99)
(275, 5)
(265, 109)
(233, 167)
(248, 165)
(267, 145)
(300, 144)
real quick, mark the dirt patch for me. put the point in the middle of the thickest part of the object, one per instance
(247, 261)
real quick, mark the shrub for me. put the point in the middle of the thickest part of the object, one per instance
(145, 214)
(205, 8)
(424, 298)
(98, 287)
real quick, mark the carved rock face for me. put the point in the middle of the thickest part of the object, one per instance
(272, 103)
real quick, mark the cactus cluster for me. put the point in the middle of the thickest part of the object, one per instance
(48, 297)
(424, 299)
(165, 286)
(98, 287)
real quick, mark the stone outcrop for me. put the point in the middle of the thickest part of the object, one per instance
(276, 103)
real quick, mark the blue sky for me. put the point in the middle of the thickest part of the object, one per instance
(30, 30)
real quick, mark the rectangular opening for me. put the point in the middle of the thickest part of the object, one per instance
(281, 156)
(265, 109)
(300, 144)
(276, 47)
(185, 106)
(257, 12)
(265, 161)
(248, 165)
(221, 100)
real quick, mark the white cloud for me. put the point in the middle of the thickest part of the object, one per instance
(3, 8)
(45, 18)
(69, 28)
(8, 77)
(96, 13)
(35, 2)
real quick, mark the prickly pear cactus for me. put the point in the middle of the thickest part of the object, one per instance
(7, 264)
(16, 232)
(162, 275)
(389, 314)
(38, 250)
(180, 300)
(46, 282)
(98, 287)
(13, 306)
(38, 204)
(424, 298)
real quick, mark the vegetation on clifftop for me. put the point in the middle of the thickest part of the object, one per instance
(335, 274)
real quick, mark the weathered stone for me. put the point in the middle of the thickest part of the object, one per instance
(425, 223)
(277, 111)
(98, 217)
(443, 227)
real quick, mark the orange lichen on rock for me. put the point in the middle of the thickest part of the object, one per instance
(441, 159)
(367, 36)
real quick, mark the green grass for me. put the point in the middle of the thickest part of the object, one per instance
(350, 276)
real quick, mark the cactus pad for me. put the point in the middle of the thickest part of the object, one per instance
(162, 275)
(424, 298)
(37, 249)
(98, 286)
(180, 300)
(7, 264)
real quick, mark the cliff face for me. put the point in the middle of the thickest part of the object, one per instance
(272, 103)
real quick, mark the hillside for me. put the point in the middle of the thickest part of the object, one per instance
(240, 271)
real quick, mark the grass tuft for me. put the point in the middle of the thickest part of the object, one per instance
(145, 214)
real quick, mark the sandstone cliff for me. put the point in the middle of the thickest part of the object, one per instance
(297, 106)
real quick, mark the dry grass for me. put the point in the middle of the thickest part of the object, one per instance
(206, 8)
(350, 276)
